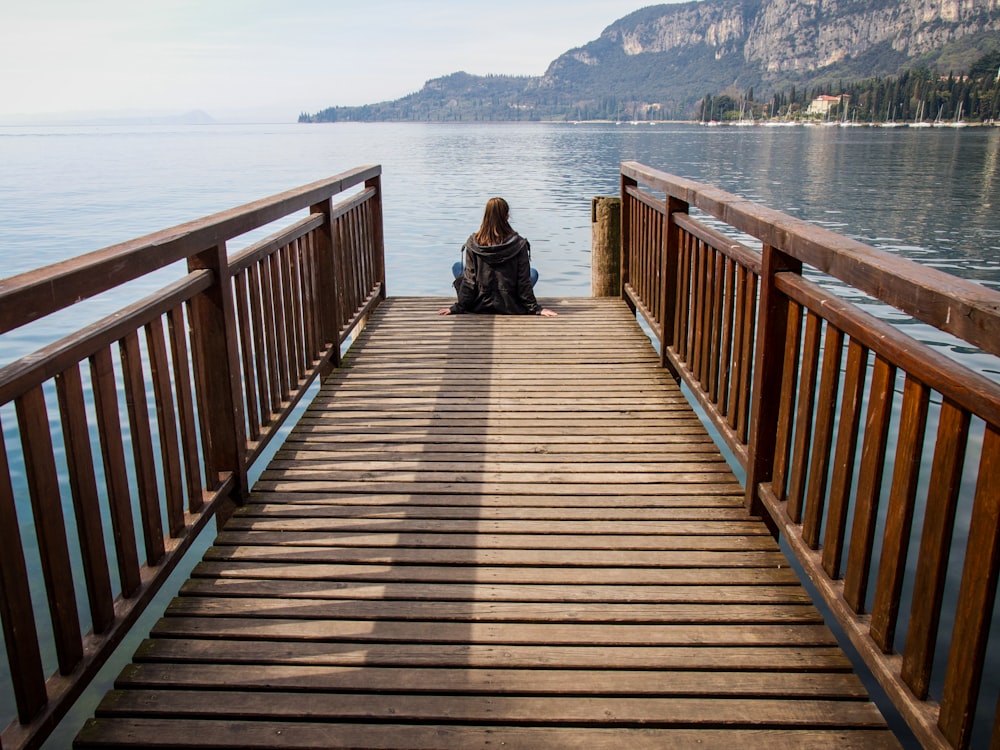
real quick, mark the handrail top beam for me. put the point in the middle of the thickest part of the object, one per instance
(959, 306)
(40, 292)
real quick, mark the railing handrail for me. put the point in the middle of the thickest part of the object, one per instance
(958, 306)
(59, 285)
(230, 348)
(830, 411)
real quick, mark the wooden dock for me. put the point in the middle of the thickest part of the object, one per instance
(493, 532)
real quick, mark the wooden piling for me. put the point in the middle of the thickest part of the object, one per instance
(606, 246)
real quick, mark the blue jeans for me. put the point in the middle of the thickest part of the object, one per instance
(457, 270)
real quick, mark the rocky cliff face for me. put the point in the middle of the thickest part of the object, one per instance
(809, 35)
(774, 38)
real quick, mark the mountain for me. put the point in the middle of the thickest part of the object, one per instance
(660, 61)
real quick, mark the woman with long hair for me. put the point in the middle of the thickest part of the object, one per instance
(497, 276)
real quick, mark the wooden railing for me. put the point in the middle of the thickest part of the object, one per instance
(206, 370)
(848, 429)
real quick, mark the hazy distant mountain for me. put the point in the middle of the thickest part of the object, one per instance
(658, 62)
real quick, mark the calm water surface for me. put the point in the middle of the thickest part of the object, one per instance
(929, 195)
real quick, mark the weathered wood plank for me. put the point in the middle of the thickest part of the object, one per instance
(839, 685)
(493, 709)
(485, 575)
(577, 592)
(104, 733)
(685, 558)
(709, 658)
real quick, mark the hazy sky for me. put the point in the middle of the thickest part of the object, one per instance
(270, 58)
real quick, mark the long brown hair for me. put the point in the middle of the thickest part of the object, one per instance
(495, 228)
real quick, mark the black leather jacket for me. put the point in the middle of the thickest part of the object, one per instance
(497, 279)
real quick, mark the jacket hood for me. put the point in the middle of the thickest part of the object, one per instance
(496, 253)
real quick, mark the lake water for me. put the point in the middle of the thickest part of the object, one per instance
(930, 195)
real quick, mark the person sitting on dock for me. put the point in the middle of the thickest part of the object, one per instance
(497, 276)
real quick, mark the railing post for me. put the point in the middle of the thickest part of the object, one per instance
(626, 241)
(605, 246)
(669, 277)
(378, 238)
(329, 307)
(769, 359)
(213, 323)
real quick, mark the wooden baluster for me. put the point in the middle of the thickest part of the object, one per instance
(719, 276)
(282, 362)
(746, 361)
(294, 371)
(739, 346)
(16, 614)
(142, 448)
(976, 599)
(50, 527)
(240, 298)
(935, 546)
(166, 420)
(682, 336)
(271, 330)
(185, 407)
(671, 279)
(262, 364)
(109, 427)
(726, 352)
(843, 463)
(869, 484)
(786, 408)
(819, 466)
(86, 502)
(698, 310)
(802, 440)
(293, 306)
(899, 513)
(310, 300)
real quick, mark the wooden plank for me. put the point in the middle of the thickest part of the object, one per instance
(489, 656)
(323, 610)
(519, 543)
(392, 555)
(485, 575)
(730, 594)
(106, 733)
(295, 677)
(602, 711)
(739, 527)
